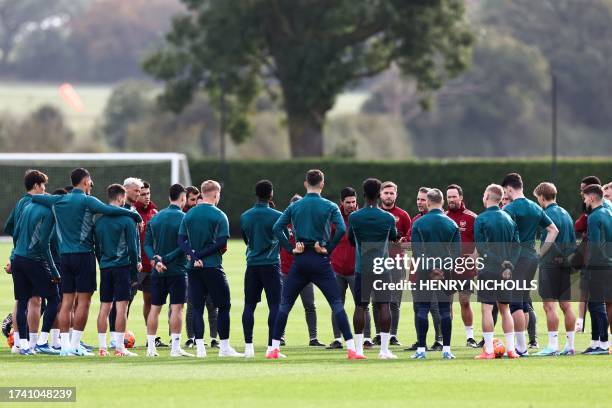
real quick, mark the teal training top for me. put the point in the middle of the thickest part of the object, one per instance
(370, 229)
(203, 225)
(497, 240)
(599, 227)
(74, 215)
(161, 238)
(13, 219)
(311, 218)
(115, 240)
(565, 243)
(529, 218)
(435, 235)
(256, 225)
(33, 235)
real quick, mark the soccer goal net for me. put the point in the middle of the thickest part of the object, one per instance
(160, 170)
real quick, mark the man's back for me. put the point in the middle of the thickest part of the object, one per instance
(116, 241)
(162, 235)
(497, 238)
(33, 232)
(371, 229)
(203, 225)
(257, 225)
(600, 238)
(529, 218)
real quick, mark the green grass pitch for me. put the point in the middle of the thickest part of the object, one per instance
(310, 377)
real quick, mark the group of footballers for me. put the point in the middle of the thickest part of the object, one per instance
(177, 253)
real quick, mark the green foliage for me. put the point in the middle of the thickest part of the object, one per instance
(239, 177)
(314, 49)
(43, 129)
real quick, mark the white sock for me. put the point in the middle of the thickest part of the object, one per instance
(338, 339)
(248, 348)
(33, 339)
(510, 341)
(350, 345)
(580, 321)
(275, 344)
(358, 343)
(200, 346)
(176, 341)
(70, 331)
(384, 342)
(119, 344)
(469, 332)
(521, 343)
(102, 340)
(420, 349)
(65, 340)
(43, 338)
(570, 339)
(446, 349)
(55, 338)
(16, 339)
(224, 345)
(488, 338)
(604, 345)
(113, 335)
(594, 344)
(151, 343)
(553, 340)
(75, 339)
(367, 339)
(24, 344)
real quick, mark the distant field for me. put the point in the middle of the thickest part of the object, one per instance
(20, 98)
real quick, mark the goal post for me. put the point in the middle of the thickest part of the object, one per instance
(159, 169)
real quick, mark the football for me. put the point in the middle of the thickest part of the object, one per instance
(129, 340)
(498, 348)
(10, 340)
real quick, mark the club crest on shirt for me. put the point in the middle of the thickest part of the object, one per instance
(396, 218)
(462, 223)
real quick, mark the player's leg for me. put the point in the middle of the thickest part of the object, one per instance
(121, 325)
(434, 309)
(552, 324)
(253, 286)
(15, 348)
(189, 321)
(487, 331)
(310, 311)
(570, 326)
(367, 329)
(105, 307)
(422, 326)
(50, 293)
(446, 320)
(218, 287)
(343, 283)
(213, 320)
(272, 285)
(508, 328)
(467, 316)
(531, 320)
(383, 309)
(197, 294)
(292, 286)
(158, 294)
(395, 307)
(362, 299)
(33, 319)
(85, 287)
(609, 313)
(322, 275)
(23, 291)
(177, 288)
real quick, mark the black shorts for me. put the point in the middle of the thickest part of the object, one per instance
(144, 282)
(554, 283)
(490, 291)
(31, 278)
(78, 273)
(115, 284)
(372, 287)
(173, 285)
(259, 278)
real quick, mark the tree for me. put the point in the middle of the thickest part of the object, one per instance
(312, 49)
(18, 19)
(574, 36)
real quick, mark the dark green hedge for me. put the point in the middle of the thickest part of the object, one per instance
(239, 177)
